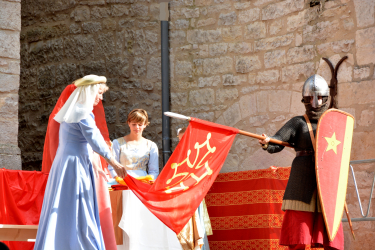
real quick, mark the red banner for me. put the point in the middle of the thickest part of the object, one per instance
(188, 174)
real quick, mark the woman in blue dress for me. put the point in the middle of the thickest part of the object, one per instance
(69, 217)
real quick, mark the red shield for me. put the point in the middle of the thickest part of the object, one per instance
(333, 144)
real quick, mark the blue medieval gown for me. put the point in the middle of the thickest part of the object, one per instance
(70, 219)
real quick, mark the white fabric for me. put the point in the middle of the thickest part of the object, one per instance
(79, 105)
(142, 229)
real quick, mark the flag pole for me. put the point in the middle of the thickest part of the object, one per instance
(259, 137)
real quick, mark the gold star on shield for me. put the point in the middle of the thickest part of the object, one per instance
(332, 143)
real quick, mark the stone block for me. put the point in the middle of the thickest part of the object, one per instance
(92, 67)
(154, 68)
(226, 95)
(334, 12)
(12, 162)
(147, 86)
(231, 80)
(179, 99)
(219, 65)
(79, 47)
(133, 83)
(218, 49)
(336, 47)
(274, 42)
(255, 30)
(367, 118)
(296, 106)
(207, 116)
(365, 46)
(144, 43)
(46, 77)
(268, 77)
(348, 24)
(248, 105)
(9, 131)
(365, 11)
(283, 8)
(297, 72)
(209, 81)
(302, 18)
(65, 74)
(240, 48)
(117, 67)
(300, 54)
(279, 101)
(361, 73)
(181, 24)
(190, 13)
(247, 16)
(206, 22)
(362, 145)
(320, 31)
(203, 2)
(276, 27)
(81, 13)
(202, 97)
(259, 120)
(38, 53)
(100, 12)
(9, 106)
(246, 64)
(139, 66)
(233, 33)
(274, 58)
(55, 50)
(356, 93)
(110, 114)
(242, 6)
(184, 69)
(138, 10)
(91, 27)
(262, 2)
(177, 37)
(10, 44)
(10, 16)
(262, 101)
(203, 36)
(75, 28)
(118, 10)
(9, 66)
(227, 19)
(232, 115)
(214, 9)
(184, 85)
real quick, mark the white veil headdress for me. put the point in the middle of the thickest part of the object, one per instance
(81, 102)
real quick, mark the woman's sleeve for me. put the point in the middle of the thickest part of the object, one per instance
(93, 136)
(116, 154)
(153, 164)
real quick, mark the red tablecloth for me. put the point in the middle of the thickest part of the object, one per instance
(21, 199)
(245, 209)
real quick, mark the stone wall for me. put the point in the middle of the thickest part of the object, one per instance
(10, 28)
(243, 64)
(65, 40)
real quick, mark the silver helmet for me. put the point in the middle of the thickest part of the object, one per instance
(313, 87)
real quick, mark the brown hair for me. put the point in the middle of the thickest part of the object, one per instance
(138, 116)
(181, 131)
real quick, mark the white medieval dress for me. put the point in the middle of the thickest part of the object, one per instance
(142, 230)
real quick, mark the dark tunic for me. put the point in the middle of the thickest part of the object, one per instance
(302, 180)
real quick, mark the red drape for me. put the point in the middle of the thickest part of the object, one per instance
(188, 174)
(50, 147)
(21, 199)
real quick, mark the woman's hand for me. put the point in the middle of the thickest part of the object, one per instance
(119, 169)
(264, 141)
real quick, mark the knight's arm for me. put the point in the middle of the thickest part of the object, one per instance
(286, 133)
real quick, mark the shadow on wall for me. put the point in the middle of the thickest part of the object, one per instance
(261, 159)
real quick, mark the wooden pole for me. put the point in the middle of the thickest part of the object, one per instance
(259, 137)
(349, 220)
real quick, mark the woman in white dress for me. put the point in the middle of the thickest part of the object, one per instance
(140, 157)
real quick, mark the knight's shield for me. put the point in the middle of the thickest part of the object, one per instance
(333, 144)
